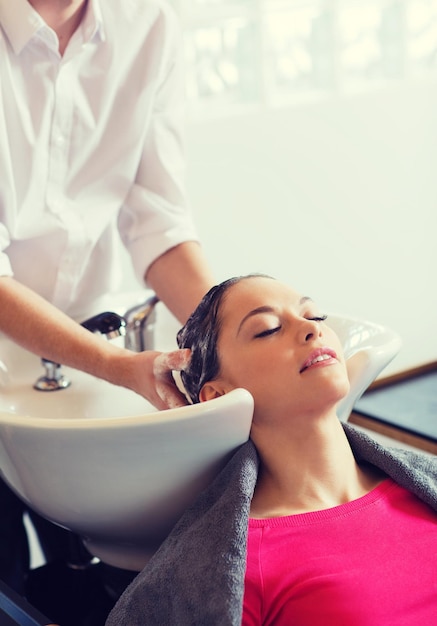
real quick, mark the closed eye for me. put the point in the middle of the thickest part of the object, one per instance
(269, 331)
(320, 318)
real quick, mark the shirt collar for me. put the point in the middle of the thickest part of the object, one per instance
(93, 25)
(21, 22)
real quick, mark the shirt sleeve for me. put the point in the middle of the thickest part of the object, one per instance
(156, 215)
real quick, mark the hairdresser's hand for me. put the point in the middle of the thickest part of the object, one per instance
(150, 374)
(163, 366)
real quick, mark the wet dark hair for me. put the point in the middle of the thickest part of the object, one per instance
(201, 333)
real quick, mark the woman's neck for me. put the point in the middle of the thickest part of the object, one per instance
(63, 16)
(308, 472)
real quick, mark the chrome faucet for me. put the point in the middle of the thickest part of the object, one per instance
(140, 325)
(53, 378)
(137, 326)
(109, 324)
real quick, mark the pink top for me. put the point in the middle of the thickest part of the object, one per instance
(369, 562)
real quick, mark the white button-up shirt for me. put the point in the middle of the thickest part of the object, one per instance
(90, 147)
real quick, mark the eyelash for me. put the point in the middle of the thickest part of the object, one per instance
(266, 333)
(320, 318)
(271, 331)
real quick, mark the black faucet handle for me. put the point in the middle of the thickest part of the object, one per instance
(108, 323)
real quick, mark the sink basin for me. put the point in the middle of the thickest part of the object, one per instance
(88, 397)
(101, 461)
(368, 348)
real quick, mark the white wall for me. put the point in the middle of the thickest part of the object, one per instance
(337, 198)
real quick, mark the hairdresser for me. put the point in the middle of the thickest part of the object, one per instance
(91, 153)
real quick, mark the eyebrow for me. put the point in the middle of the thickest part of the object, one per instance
(267, 309)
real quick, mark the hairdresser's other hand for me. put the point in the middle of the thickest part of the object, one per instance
(150, 374)
(164, 365)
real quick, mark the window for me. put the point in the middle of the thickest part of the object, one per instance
(243, 54)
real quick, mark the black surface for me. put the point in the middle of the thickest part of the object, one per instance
(16, 611)
(410, 404)
(72, 597)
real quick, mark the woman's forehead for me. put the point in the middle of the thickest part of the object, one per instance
(258, 291)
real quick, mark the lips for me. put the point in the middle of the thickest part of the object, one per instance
(321, 356)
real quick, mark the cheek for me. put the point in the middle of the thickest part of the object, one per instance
(269, 363)
(269, 385)
(244, 375)
(252, 374)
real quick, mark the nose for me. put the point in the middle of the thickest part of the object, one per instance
(310, 330)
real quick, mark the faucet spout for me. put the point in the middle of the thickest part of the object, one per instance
(140, 320)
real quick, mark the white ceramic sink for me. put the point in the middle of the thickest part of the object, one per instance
(101, 461)
(86, 397)
(368, 348)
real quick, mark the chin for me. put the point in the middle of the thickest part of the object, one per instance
(337, 391)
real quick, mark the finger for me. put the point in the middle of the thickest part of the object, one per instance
(170, 395)
(166, 362)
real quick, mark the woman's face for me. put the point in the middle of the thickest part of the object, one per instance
(273, 343)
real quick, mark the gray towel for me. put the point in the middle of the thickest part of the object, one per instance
(415, 471)
(196, 578)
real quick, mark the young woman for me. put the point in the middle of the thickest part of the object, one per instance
(338, 529)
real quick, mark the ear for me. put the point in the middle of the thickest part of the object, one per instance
(211, 390)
